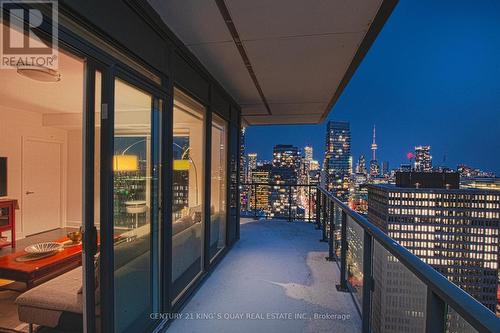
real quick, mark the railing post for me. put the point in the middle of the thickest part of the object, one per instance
(343, 254)
(255, 201)
(367, 281)
(290, 203)
(323, 224)
(318, 208)
(435, 313)
(331, 221)
(309, 203)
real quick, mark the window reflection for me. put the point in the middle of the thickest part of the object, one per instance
(218, 186)
(188, 189)
(135, 194)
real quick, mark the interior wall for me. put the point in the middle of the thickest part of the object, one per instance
(74, 174)
(15, 125)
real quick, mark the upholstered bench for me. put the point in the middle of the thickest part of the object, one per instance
(44, 305)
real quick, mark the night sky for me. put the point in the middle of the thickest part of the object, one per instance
(432, 77)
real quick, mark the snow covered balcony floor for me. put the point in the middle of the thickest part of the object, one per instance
(275, 279)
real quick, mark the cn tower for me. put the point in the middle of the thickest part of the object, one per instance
(374, 146)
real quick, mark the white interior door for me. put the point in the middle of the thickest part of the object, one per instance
(42, 170)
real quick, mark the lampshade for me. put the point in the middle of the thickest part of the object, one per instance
(181, 165)
(125, 163)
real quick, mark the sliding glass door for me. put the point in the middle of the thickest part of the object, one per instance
(188, 191)
(218, 185)
(136, 218)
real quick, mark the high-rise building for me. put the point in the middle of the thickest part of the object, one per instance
(374, 166)
(423, 158)
(308, 153)
(260, 198)
(487, 183)
(286, 170)
(243, 165)
(280, 195)
(361, 165)
(470, 172)
(306, 164)
(338, 160)
(385, 168)
(251, 165)
(454, 230)
(287, 156)
(314, 165)
(243, 173)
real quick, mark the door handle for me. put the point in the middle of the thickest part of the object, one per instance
(29, 192)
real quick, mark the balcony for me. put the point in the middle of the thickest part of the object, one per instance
(339, 273)
(277, 268)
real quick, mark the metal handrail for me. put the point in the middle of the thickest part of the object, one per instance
(279, 184)
(475, 313)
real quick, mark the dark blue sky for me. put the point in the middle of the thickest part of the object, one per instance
(432, 77)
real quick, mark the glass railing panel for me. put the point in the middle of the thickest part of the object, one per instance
(312, 199)
(354, 259)
(337, 236)
(247, 202)
(296, 195)
(278, 202)
(399, 297)
(456, 324)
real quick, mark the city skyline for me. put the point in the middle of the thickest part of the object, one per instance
(263, 158)
(415, 93)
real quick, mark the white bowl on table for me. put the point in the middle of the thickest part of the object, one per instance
(44, 247)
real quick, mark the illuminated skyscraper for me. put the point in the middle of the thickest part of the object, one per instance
(251, 165)
(243, 165)
(243, 173)
(260, 197)
(361, 165)
(314, 165)
(454, 230)
(286, 170)
(287, 156)
(423, 158)
(308, 153)
(306, 165)
(338, 159)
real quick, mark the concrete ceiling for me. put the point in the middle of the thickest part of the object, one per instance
(301, 53)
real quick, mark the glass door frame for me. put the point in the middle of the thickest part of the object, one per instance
(119, 71)
(89, 240)
(89, 245)
(99, 60)
(94, 61)
(219, 253)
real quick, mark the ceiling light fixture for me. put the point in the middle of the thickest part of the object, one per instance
(39, 73)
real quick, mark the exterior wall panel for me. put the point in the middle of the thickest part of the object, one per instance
(189, 79)
(220, 105)
(124, 25)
